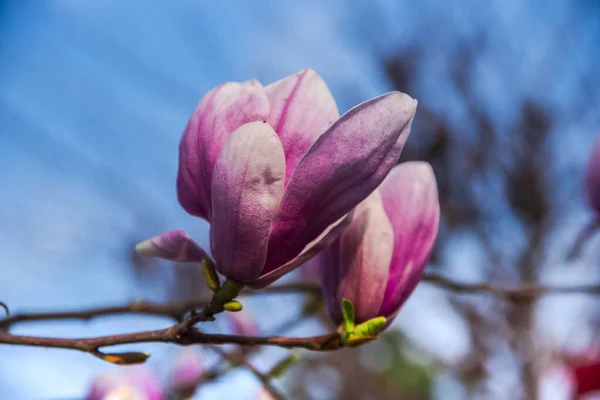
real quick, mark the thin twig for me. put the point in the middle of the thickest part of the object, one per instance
(5, 307)
(220, 370)
(174, 310)
(240, 359)
(526, 291)
(583, 237)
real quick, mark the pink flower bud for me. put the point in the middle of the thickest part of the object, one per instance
(275, 170)
(378, 260)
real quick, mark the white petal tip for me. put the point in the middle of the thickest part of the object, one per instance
(146, 248)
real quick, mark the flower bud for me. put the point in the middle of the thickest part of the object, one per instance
(379, 258)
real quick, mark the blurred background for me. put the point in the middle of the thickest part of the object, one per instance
(94, 96)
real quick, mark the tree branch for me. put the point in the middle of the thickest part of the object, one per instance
(184, 334)
(173, 335)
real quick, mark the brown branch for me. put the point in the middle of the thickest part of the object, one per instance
(173, 335)
(176, 310)
(184, 334)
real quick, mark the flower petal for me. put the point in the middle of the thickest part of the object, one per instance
(411, 202)
(326, 238)
(339, 171)
(364, 252)
(219, 113)
(302, 109)
(174, 245)
(247, 188)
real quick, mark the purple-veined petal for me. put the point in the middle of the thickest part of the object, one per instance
(174, 245)
(247, 188)
(220, 112)
(592, 178)
(327, 237)
(302, 109)
(340, 170)
(411, 202)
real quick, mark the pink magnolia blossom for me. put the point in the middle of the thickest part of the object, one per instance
(378, 260)
(592, 178)
(275, 170)
(126, 383)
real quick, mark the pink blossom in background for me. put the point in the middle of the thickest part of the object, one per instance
(264, 395)
(242, 324)
(276, 171)
(126, 383)
(186, 373)
(592, 178)
(378, 260)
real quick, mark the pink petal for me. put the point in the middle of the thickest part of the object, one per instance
(219, 113)
(302, 109)
(365, 253)
(357, 265)
(327, 237)
(339, 171)
(247, 188)
(410, 199)
(174, 245)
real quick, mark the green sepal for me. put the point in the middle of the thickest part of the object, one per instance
(348, 314)
(353, 342)
(233, 306)
(370, 328)
(210, 275)
(228, 291)
(365, 332)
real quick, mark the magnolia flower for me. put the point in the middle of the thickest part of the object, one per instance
(126, 383)
(592, 178)
(275, 171)
(379, 258)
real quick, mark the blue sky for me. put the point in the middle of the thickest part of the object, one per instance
(94, 96)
